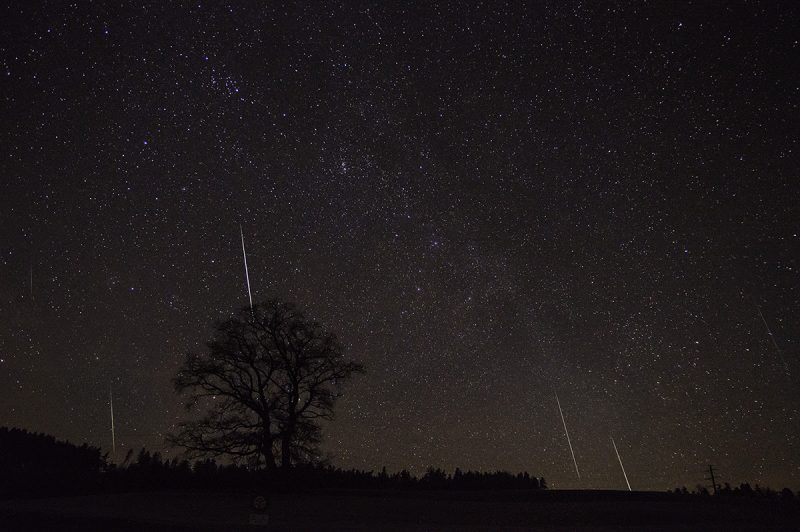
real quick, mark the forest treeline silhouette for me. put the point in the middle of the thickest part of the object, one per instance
(35, 464)
(39, 465)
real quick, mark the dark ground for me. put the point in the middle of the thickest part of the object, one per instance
(363, 510)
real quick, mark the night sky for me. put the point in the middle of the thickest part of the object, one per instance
(487, 204)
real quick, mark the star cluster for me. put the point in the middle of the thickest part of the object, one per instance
(488, 204)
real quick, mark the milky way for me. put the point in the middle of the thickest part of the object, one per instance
(484, 203)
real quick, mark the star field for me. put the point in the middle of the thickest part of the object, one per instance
(486, 203)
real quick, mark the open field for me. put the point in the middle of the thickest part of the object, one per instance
(395, 511)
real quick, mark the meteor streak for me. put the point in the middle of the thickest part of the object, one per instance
(246, 272)
(620, 464)
(567, 433)
(113, 438)
(772, 337)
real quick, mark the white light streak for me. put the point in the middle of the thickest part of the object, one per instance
(246, 271)
(620, 464)
(569, 442)
(113, 435)
(772, 337)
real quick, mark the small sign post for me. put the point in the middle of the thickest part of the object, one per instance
(259, 515)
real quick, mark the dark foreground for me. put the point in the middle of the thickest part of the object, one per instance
(553, 510)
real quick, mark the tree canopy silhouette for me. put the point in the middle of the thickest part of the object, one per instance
(40, 464)
(268, 380)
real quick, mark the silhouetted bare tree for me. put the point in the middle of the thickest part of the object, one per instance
(269, 378)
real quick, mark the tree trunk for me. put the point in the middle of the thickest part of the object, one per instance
(266, 447)
(286, 447)
(269, 460)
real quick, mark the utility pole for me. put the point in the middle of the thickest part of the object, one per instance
(711, 477)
